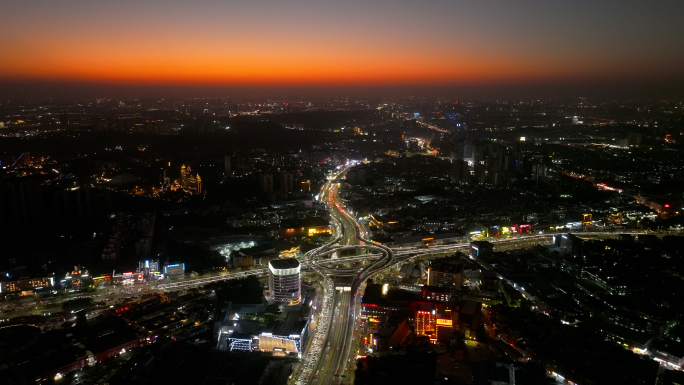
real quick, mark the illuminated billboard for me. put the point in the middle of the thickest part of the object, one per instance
(444, 322)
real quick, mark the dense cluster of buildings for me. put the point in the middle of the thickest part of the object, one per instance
(397, 317)
(189, 182)
(601, 284)
(455, 305)
(280, 328)
(76, 344)
(427, 173)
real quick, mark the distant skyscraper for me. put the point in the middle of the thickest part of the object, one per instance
(189, 182)
(284, 280)
(185, 171)
(226, 164)
(286, 182)
(266, 182)
(480, 173)
(460, 172)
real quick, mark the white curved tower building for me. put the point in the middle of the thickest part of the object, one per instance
(284, 280)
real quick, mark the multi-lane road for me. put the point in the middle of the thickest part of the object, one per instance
(331, 351)
(335, 353)
(328, 362)
(400, 255)
(349, 227)
(333, 360)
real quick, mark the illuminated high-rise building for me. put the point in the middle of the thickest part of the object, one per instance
(284, 280)
(189, 182)
(425, 323)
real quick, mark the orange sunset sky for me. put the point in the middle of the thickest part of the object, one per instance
(309, 43)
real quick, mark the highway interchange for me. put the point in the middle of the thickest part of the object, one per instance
(330, 360)
(331, 353)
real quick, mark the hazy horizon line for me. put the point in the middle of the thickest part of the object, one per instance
(619, 90)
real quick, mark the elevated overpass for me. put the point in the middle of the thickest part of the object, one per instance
(399, 255)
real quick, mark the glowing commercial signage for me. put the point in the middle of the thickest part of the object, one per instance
(444, 322)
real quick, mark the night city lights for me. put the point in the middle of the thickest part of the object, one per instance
(342, 192)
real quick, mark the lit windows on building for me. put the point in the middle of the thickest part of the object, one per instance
(425, 323)
(433, 293)
(284, 280)
(26, 284)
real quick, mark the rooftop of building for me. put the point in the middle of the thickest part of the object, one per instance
(373, 295)
(292, 324)
(436, 289)
(285, 263)
(469, 307)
